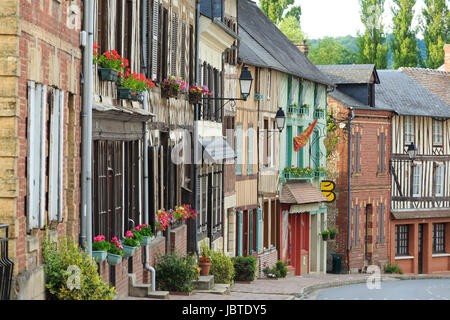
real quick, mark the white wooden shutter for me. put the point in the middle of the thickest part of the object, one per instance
(250, 151)
(61, 156)
(155, 29)
(43, 127)
(239, 150)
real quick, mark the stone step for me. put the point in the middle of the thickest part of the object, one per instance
(204, 283)
(219, 288)
(143, 290)
(291, 271)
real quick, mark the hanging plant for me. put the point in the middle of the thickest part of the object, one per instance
(172, 87)
(132, 85)
(196, 93)
(110, 64)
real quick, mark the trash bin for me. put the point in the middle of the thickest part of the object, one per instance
(337, 263)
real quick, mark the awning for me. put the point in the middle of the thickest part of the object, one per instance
(300, 192)
(420, 214)
(121, 113)
(216, 149)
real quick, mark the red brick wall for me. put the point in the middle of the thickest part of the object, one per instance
(264, 259)
(157, 246)
(178, 240)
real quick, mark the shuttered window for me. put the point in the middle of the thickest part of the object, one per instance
(128, 30)
(269, 76)
(250, 151)
(102, 23)
(118, 27)
(300, 93)
(36, 138)
(56, 153)
(183, 51)
(289, 90)
(238, 150)
(357, 153)
(174, 45)
(154, 61)
(408, 128)
(381, 154)
(356, 214)
(300, 152)
(439, 180)
(163, 42)
(191, 56)
(437, 132)
(381, 223)
(401, 240)
(417, 180)
(289, 146)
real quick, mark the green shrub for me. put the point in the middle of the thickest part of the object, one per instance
(175, 273)
(71, 274)
(278, 271)
(222, 267)
(244, 268)
(392, 268)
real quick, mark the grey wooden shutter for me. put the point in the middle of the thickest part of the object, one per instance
(174, 42)
(357, 154)
(381, 223)
(154, 40)
(61, 157)
(183, 51)
(356, 212)
(37, 104)
(382, 152)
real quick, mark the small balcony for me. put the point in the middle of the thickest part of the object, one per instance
(297, 174)
(292, 109)
(303, 110)
(319, 114)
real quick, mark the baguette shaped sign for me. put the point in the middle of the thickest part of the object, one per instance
(327, 188)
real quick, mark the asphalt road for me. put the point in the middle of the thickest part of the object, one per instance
(430, 289)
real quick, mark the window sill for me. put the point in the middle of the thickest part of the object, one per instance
(381, 174)
(356, 174)
(404, 257)
(437, 255)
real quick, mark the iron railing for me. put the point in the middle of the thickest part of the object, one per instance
(6, 265)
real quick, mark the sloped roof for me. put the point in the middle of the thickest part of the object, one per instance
(300, 193)
(264, 39)
(407, 97)
(352, 102)
(436, 81)
(350, 73)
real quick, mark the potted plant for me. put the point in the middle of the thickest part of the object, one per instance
(204, 262)
(114, 252)
(129, 244)
(132, 85)
(332, 233)
(146, 232)
(196, 93)
(324, 235)
(99, 248)
(110, 64)
(172, 87)
(321, 171)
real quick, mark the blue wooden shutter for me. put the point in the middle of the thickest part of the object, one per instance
(289, 146)
(250, 151)
(240, 233)
(300, 91)
(289, 90)
(258, 229)
(300, 152)
(250, 233)
(239, 150)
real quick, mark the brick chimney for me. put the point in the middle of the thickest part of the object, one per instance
(303, 47)
(447, 57)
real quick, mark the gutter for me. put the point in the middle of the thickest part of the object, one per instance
(350, 118)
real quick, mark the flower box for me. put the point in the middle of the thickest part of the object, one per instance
(128, 251)
(114, 259)
(169, 92)
(124, 93)
(108, 74)
(99, 256)
(146, 240)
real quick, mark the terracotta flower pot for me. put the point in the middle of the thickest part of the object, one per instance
(204, 268)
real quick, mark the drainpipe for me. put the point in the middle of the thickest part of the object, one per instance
(146, 206)
(351, 116)
(86, 119)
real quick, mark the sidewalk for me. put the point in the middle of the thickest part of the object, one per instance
(292, 287)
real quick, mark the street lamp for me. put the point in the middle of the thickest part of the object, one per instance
(245, 82)
(412, 151)
(280, 118)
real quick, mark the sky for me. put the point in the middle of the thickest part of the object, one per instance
(335, 18)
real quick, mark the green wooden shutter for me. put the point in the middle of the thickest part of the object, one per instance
(289, 146)
(315, 95)
(239, 150)
(250, 233)
(240, 233)
(258, 229)
(250, 151)
(300, 152)
(289, 90)
(300, 91)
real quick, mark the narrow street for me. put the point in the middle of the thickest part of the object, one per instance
(429, 289)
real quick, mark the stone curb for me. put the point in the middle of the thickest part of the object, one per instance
(306, 291)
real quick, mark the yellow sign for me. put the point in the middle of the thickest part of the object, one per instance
(327, 188)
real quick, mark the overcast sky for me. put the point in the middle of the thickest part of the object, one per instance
(335, 18)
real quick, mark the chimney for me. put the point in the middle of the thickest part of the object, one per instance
(447, 57)
(303, 48)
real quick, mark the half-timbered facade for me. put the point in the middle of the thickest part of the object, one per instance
(420, 186)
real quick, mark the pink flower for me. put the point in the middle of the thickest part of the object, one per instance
(129, 234)
(114, 239)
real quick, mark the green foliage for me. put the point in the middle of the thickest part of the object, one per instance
(329, 51)
(244, 268)
(278, 271)
(332, 140)
(392, 268)
(222, 267)
(436, 31)
(372, 44)
(299, 172)
(61, 281)
(291, 29)
(277, 9)
(175, 272)
(332, 231)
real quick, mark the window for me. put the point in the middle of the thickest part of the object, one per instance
(163, 42)
(269, 75)
(174, 45)
(265, 142)
(381, 223)
(401, 240)
(437, 133)
(289, 146)
(357, 153)
(438, 237)
(439, 180)
(250, 151)
(153, 39)
(102, 22)
(417, 181)
(356, 213)
(408, 130)
(381, 153)
(238, 150)
(183, 51)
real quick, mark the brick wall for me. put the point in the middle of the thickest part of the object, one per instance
(447, 57)
(268, 258)
(178, 240)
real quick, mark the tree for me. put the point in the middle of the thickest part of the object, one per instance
(329, 51)
(436, 31)
(372, 45)
(291, 29)
(404, 43)
(277, 9)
